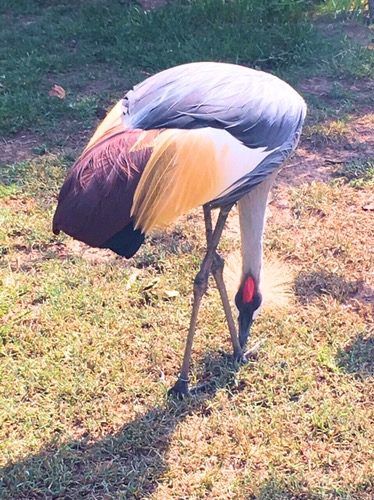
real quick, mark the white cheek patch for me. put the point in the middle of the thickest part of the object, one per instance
(256, 313)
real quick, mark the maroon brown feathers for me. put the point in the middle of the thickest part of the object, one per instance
(95, 201)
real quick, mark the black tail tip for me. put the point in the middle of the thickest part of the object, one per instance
(126, 242)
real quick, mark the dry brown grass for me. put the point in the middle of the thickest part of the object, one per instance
(91, 345)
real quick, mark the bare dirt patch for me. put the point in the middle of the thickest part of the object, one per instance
(100, 79)
(330, 90)
(27, 258)
(317, 85)
(359, 32)
(317, 157)
(92, 255)
(361, 131)
(306, 166)
(355, 30)
(18, 148)
(27, 145)
(152, 4)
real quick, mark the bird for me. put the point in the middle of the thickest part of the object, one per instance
(201, 134)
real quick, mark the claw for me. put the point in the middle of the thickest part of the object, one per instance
(179, 390)
(237, 356)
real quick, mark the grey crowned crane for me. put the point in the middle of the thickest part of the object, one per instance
(201, 134)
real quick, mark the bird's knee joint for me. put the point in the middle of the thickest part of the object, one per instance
(201, 282)
(218, 263)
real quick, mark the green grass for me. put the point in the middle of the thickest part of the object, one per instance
(89, 350)
(358, 173)
(333, 131)
(343, 8)
(99, 49)
(90, 343)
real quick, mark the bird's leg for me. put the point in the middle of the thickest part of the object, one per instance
(180, 389)
(217, 270)
(208, 223)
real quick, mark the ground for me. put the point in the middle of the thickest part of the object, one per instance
(90, 343)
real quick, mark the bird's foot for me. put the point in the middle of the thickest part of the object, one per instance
(241, 359)
(237, 356)
(180, 390)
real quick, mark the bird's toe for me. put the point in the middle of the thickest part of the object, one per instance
(237, 356)
(180, 390)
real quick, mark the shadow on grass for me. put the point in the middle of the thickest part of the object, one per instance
(310, 285)
(158, 247)
(131, 462)
(358, 356)
(127, 464)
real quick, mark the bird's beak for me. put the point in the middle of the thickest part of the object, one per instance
(245, 324)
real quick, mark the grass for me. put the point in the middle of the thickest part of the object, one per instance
(333, 131)
(343, 8)
(90, 343)
(115, 45)
(358, 173)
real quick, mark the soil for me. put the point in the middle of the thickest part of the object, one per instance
(354, 29)
(152, 4)
(18, 148)
(313, 161)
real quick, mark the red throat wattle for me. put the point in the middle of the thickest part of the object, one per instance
(248, 290)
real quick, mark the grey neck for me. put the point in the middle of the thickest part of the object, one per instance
(252, 208)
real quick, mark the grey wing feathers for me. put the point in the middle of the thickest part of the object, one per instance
(257, 108)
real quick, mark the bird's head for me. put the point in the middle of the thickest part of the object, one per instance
(248, 301)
